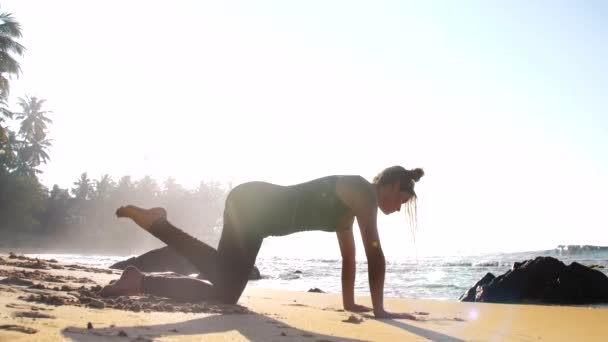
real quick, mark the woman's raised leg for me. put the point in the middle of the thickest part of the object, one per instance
(154, 221)
(228, 268)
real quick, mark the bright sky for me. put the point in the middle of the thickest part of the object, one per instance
(503, 103)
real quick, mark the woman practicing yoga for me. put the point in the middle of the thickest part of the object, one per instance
(256, 210)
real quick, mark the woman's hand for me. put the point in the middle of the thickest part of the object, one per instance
(357, 308)
(400, 315)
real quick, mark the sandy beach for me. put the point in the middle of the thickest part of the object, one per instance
(44, 300)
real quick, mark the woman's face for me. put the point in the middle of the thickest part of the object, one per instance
(391, 198)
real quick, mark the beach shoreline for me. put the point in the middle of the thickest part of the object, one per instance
(437, 278)
(50, 301)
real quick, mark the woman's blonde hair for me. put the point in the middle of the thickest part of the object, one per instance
(407, 180)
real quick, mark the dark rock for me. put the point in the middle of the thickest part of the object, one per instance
(16, 281)
(469, 296)
(96, 304)
(297, 272)
(19, 328)
(255, 274)
(543, 280)
(316, 290)
(166, 259)
(33, 314)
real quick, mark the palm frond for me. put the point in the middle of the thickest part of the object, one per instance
(9, 26)
(9, 64)
(4, 88)
(6, 113)
(9, 45)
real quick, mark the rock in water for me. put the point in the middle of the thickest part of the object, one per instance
(542, 280)
(255, 274)
(469, 296)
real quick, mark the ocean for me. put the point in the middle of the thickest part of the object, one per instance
(437, 277)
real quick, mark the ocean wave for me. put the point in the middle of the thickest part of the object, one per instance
(487, 264)
(289, 276)
(286, 259)
(89, 260)
(581, 249)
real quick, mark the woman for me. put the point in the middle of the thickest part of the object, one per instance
(256, 210)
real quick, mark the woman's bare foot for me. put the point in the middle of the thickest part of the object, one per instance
(142, 217)
(128, 284)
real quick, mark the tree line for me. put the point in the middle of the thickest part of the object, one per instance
(79, 219)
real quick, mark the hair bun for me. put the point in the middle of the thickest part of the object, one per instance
(416, 174)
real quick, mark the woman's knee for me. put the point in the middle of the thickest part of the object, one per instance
(230, 295)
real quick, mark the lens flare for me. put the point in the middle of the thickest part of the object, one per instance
(473, 314)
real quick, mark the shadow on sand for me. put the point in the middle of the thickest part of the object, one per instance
(252, 326)
(426, 333)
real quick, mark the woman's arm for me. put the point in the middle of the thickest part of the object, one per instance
(361, 197)
(347, 249)
(366, 219)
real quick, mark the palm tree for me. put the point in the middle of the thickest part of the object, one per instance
(172, 189)
(104, 187)
(9, 31)
(83, 187)
(35, 145)
(147, 187)
(4, 113)
(35, 153)
(8, 158)
(125, 186)
(33, 127)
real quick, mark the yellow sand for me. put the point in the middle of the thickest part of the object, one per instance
(296, 316)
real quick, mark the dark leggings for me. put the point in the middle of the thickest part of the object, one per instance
(227, 268)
